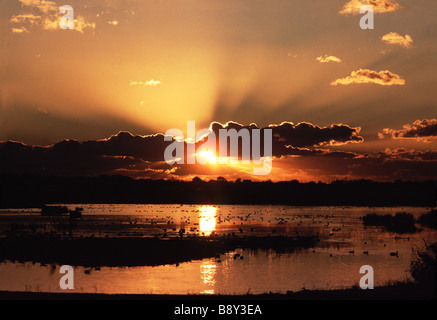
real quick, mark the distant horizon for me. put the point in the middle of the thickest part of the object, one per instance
(35, 191)
(218, 179)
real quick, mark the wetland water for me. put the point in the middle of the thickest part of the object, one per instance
(329, 265)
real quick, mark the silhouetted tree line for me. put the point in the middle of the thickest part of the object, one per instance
(34, 191)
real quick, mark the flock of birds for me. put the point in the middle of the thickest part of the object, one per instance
(185, 220)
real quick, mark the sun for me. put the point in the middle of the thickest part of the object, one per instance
(208, 156)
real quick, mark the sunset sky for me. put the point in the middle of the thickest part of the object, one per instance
(136, 68)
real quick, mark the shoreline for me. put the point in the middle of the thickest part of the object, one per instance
(36, 190)
(121, 252)
(398, 291)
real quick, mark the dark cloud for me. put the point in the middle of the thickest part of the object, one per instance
(303, 134)
(305, 152)
(423, 130)
(409, 154)
(301, 147)
(389, 165)
(71, 157)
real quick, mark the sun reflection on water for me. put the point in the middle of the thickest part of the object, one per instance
(207, 275)
(207, 219)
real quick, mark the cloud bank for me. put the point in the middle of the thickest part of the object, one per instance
(138, 155)
(301, 151)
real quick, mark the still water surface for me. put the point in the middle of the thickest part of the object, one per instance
(330, 265)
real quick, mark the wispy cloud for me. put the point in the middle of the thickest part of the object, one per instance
(80, 24)
(27, 17)
(42, 5)
(395, 38)
(326, 59)
(42, 110)
(150, 82)
(48, 17)
(383, 78)
(379, 6)
(20, 30)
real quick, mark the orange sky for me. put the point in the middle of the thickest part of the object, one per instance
(148, 66)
